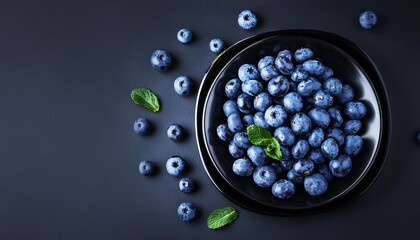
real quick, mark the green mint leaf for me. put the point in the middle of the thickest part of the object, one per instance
(145, 98)
(221, 217)
(273, 149)
(258, 135)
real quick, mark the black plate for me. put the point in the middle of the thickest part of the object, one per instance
(350, 64)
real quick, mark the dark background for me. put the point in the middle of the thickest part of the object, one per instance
(69, 157)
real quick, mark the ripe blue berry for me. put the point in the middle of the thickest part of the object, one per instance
(142, 126)
(368, 19)
(147, 168)
(243, 167)
(175, 166)
(183, 85)
(187, 185)
(217, 45)
(161, 60)
(187, 211)
(283, 189)
(247, 19)
(316, 184)
(175, 132)
(184, 35)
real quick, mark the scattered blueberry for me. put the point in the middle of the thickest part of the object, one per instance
(247, 19)
(183, 85)
(187, 211)
(217, 45)
(175, 132)
(175, 166)
(184, 35)
(142, 126)
(368, 19)
(161, 60)
(187, 185)
(147, 168)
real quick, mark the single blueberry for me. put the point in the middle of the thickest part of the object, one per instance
(161, 60)
(316, 137)
(340, 166)
(336, 117)
(260, 121)
(308, 87)
(264, 176)
(352, 126)
(285, 136)
(183, 85)
(248, 120)
(285, 54)
(284, 65)
(217, 45)
(175, 132)
(230, 107)
(142, 126)
(247, 19)
(320, 117)
(243, 167)
(187, 185)
(303, 54)
(241, 140)
(283, 189)
(304, 167)
(347, 94)
(293, 102)
(248, 72)
(236, 151)
(316, 156)
(330, 148)
(268, 73)
(368, 19)
(187, 211)
(257, 155)
(333, 86)
(278, 86)
(147, 168)
(353, 144)
(322, 99)
(224, 133)
(300, 124)
(175, 166)
(355, 110)
(252, 87)
(299, 74)
(262, 101)
(184, 35)
(233, 88)
(315, 185)
(300, 149)
(265, 62)
(314, 67)
(275, 115)
(235, 123)
(245, 103)
(336, 134)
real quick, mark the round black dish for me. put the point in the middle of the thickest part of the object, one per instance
(350, 64)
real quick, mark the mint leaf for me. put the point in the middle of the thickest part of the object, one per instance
(273, 150)
(258, 135)
(221, 217)
(145, 98)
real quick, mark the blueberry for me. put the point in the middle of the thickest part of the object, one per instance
(286, 154)
(355, 110)
(183, 85)
(293, 102)
(304, 167)
(187, 185)
(300, 149)
(142, 126)
(245, 103)
(286, 164)
(147, 168)
(277, 168)
(257, 155)
(243, 167)
(284, 65)
(336, 134)
(352, 126)
(353, 144)
(283, 189)
(235, 123)
(278, 86)
(328, 72)
(248, 72)
(368, 20)
(285, 136)
(268, 73)
(262, 101)
(333, 86)
(217, 45)
(248, 120)
(275, 115)
(336, 117)
(252, 87)
(247, 19)
(264, 176)
(303, 54)
(322, 99)
(308, 87)
(324, 169)
(313, 67)
(340, 166)
(260, 121)
(233, 88)
(187, 211)
(241, 140)
(236, 151)
(175, 132)
(329, 148)
(299, 74)
(300, 124)
(175, 166)
(224, 133)
(315, 185)
(184, 35)
(320, 117)
(316, 156)
(346, 95)
(161, 60)
(265, 62)
(230, 107)
(294, 177)
(316, 137)
(285, 54)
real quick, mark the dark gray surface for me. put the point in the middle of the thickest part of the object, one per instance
(69, 157)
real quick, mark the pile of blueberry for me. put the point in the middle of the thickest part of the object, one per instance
(309, 111)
